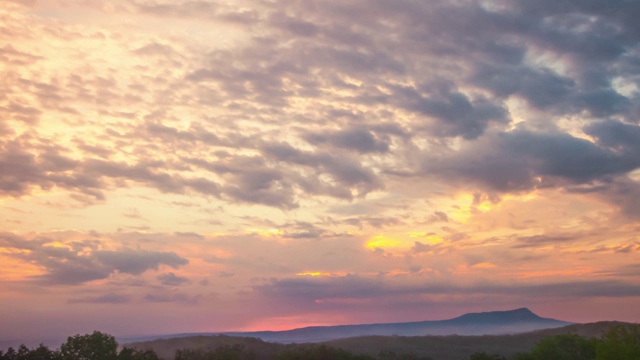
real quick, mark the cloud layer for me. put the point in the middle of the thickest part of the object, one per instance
(297, 158)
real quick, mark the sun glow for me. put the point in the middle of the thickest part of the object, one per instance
(321, 274)
(381, 241)
(428, 238)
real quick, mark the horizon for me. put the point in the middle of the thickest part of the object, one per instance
(203, 165)
(53, 342)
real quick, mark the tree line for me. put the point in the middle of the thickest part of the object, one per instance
(95, 346)
(618, 343)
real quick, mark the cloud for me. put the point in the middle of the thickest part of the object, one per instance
(359, 140)
(523, 160)
(544, 240)
(171, 297)
(136, 262)
(348, 175)
(306, 292)
(377, 88)
(619, 137)
(81, 262)
(457, 115)
(102, 299)
(171, 279)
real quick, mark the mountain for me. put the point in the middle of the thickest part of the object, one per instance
(486, 323)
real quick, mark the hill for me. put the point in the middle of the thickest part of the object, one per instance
(451, 347)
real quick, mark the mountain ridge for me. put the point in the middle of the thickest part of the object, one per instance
(482, 323)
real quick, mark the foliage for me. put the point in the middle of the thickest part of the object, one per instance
(95, 346)
(134, 354)
(390, 355)
(318, 352)
(620, 343)
(562, 347)
(227, 352)
(40, 353)
(484, 356)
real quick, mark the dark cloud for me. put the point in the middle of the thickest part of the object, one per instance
(523, 160)
(347, 174)
(102, 299)
(306, 230)
(171, 297)
(293, 25)
(307, 292)
(619, 137)
(136, 262)
(457, 115)
(83, 262)
(623, 193)
(360, 140)
(438, 216)
(419, 247)
(171, 279)
(544, 240)
(10, 240)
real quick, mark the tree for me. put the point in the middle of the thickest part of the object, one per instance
(484, 356)
(40, 353)
(562, 347)
(619, 343)
(97, 346)
(133, 354)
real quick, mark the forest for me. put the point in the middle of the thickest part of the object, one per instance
(617, 343)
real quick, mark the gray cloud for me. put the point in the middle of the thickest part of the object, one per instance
(619, 137)
(457, 115)
(359, 140)
(171, 279)
(306, 292)
(102, 299)
(544, 240)
(376, 80)
(136, 262)
(522, 160)
(83, 262)
(171, 297)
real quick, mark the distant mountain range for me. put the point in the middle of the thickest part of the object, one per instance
(448, 347)
(486, 323)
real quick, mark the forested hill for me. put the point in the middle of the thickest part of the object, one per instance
(451, 347)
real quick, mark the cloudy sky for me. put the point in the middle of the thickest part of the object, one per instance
(177, 166)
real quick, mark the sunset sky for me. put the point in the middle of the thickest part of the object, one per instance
(187, 166)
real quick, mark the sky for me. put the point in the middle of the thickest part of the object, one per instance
(192, 166)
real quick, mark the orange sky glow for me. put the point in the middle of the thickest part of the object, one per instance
(185, 166)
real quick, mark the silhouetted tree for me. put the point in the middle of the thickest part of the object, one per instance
(619, 343)
(226, 352)
(133, 354)
(97, 346)
(318, 352)
(484, 356)
(562, 347)
(24, 353)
